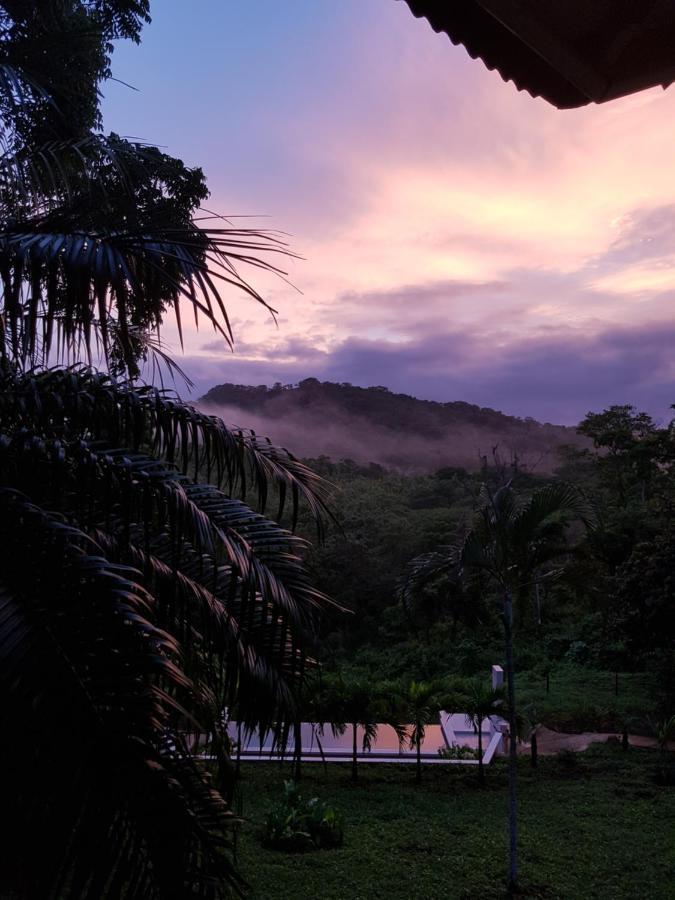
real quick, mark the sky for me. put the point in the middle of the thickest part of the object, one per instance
(459, 240)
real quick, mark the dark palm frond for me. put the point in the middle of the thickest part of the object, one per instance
(66, 286)
(547, 505)
(80, 401)
(98, 238)
(99, 789)
(275, 555)
(207, 553)
(42, 178)
(143, 498)
(255, 662)
(509, 539)
(511, 535)
(266, 558)
(17, 85)
(271, 464)
(425, 569)
(483, 550)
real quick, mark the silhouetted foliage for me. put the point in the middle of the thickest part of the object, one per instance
(137, 602)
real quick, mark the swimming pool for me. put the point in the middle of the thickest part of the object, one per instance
(319, 743)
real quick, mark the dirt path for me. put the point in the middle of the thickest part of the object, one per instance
(550, 742)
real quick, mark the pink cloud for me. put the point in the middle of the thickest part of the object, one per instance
(431, 199)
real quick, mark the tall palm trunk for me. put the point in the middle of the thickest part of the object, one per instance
(418, 774)
(237, 769)
(297, 733)
(534, 750)
(481, 770)
(355, 771)
(513, 748)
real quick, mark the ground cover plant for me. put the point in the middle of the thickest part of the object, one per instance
(592, 825)
(297, 823)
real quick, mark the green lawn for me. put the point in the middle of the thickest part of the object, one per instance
(582, 698)
(593, 827)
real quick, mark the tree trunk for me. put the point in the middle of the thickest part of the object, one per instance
(534, 750)
(513, 747)
(297, 733)
(237, 768)
(481, 772)
(418, 775)
(355, 771)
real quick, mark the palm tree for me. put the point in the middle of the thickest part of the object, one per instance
(423, 702)
(479, 703)
(360, 710)
(355, 704)
(312, 703)
(140, 593)
(511, 541)
(664, 731)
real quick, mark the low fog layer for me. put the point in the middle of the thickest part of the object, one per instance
(336, 433)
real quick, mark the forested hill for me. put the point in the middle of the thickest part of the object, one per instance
(315, 418)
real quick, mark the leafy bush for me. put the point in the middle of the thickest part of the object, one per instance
(457, 751)
(567, 760)
(578, 652)
(296, 824)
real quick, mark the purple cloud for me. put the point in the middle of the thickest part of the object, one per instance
(645, 234)
(556, 379)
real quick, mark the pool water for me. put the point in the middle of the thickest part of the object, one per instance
(320, 740)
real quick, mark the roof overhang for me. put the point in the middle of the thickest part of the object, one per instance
(570, 53)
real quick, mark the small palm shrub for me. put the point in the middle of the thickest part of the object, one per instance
(664, 731)
(296, 824)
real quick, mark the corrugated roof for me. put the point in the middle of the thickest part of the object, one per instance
(569, 53)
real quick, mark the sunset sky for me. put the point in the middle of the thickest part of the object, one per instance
(461, 240)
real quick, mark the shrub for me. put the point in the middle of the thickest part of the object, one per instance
(578, 652)
(296, 824)
(457, 751)
(566, 760)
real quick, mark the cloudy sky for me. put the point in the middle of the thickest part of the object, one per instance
(460, 240)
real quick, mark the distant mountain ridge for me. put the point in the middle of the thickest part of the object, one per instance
(401, 432)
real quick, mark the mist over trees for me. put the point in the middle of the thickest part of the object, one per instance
(400, 432)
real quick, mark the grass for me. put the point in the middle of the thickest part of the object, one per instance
(583, 699)
(593, 825)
